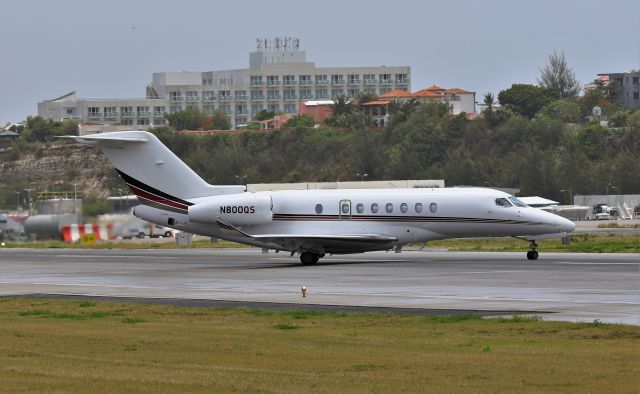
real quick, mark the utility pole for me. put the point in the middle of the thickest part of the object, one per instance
(75, 197)
(29, 199)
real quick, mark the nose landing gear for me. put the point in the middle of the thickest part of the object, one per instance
(533, 253)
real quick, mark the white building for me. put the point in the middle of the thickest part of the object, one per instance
(278, 77)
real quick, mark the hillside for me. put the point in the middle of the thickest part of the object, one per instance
(541, 156)
(52, 166)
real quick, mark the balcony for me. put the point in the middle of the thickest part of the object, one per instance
(144, 113)
(94, 115)
(353, 82)
(402, 81)
(257, 98)
(111, 114)
(158, 114)
(242, 98)
(305, 83)
(322, 82)
(257, 83)
(273, 97)
(273, 83)
(370, 81)
(208, 99)
(127, 114)
(242, 112)
(337, 82)
(290, 97)
(386, 82)
(289, 83)
(192, 98)
(175, 98)
(225, 98)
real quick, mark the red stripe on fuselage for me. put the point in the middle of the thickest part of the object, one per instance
(153, 197)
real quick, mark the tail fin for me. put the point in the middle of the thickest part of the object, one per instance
(151, 170)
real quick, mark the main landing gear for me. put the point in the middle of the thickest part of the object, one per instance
(308, 258)
(533, 253)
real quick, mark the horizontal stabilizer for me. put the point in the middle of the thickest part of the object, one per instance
(95, 138)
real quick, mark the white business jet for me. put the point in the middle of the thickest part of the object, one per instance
(314, 222)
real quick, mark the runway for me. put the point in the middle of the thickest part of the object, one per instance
(558, 286)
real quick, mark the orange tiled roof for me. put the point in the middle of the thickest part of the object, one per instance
(396, 93)
(377, 102)
(434, 87)
(426, 93)
(455, 90)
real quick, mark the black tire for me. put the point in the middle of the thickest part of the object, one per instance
(140, 235)
(532, 255)
(167, 234)
(308, 258)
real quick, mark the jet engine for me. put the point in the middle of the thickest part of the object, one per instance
(245, 209)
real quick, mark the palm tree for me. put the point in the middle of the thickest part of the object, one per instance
(341, 105)
(489, 100)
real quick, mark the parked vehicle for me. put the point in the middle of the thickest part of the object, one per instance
(146, 231)
(603, 216)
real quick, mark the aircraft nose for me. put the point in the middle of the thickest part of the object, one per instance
(565, 225)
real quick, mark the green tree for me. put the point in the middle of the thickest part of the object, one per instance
(220, 120)
(365, 97)
(341, 105)
(400, 110)
(565, 110)
(42, 129)
(526, 100)
(264, 115)
(300, 120)
(190, 119)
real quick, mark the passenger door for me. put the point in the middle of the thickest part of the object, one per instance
(344, 210)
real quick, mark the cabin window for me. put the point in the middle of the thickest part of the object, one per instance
(517, 202)
(389, 207)
(404, 207)
(360, 208)
(433, 207)
(345, 208)
(418, 207)
(318, 209)
(374, 208)
(503, 202)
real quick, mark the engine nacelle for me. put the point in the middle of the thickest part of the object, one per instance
(246, 209)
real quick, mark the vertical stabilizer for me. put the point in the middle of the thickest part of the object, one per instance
(151, 170)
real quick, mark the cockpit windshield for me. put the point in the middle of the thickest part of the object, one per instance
(503, 202)
(517, 202)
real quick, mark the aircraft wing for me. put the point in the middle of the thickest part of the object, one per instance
(320, 243)
(327, 243)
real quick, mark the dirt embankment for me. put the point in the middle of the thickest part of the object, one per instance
(56, 167)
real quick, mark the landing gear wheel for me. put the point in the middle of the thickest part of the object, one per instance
(533, 254)
(308, 258)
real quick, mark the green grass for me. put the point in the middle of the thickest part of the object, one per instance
(155, 244)
(66, 347)
(579, 244)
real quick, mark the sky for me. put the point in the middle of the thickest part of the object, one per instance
(111, 48)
